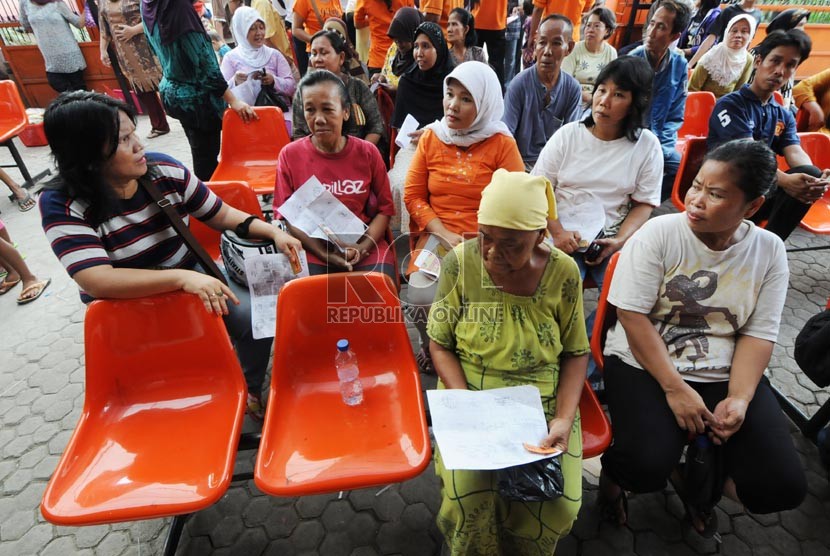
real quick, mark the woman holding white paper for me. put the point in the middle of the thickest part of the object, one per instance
(508, 312)
(350, 168)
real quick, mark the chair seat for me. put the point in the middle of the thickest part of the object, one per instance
(161, 420)
(10, 130)
(596, 430)
(817, 219)
(260, 175)
(311, 441)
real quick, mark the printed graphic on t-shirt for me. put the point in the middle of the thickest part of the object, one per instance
(689, 332)
(347, 187)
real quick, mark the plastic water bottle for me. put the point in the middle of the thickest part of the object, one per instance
(345, 361)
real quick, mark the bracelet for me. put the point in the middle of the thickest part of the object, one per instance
(242, 228)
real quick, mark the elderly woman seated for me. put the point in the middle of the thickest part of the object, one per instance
(352, 170)
(538, 338)
(699, 298)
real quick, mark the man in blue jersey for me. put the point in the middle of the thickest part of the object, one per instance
(752, 113)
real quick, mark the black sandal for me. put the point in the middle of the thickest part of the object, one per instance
(703, 520)
(613, 510)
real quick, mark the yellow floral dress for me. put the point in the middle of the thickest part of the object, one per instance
(502, 340)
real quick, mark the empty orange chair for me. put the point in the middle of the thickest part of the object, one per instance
(311, 441)
(596, 430)
(250, 150)
(699, 106)
(164, 403)
(237, 194)
(12, 121)
(690, 165)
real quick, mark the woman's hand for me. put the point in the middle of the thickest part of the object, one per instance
(378, 78)
(105, 59)
(123, 33)
(336, 260)
(730, 414)
(689, 410)
(567, 241)
(213, 293)
(240, 77)
(449, 239)
(610, 245)
(286, 243)
(244, 110)
(559, 431)
(267, 79)
(416, 135)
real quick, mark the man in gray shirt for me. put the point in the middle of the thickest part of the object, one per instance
(542, 98)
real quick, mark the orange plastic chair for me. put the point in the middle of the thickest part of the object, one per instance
(596, 430)
(690, 165)
(13, 120)
(311, 441)
(605, 317)
(817, 147)
(699, 106)
(802, 121)
(779, 98)
(164, 403)
(250, 150)
(237, 194)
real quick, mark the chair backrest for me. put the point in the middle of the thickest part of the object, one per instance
(163, 407)
(237, 194)
(699, 106)
(817, 147)
(802, 120)
(12, 112)
(606, 315)
(255, 142)
(690, 165)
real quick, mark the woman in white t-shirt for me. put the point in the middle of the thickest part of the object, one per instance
(699, 297)
(611, 160)
(590, 55)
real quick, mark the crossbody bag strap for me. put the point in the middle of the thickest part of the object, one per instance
(183, 230)
(317, 12)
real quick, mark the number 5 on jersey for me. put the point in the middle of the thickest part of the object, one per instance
(724, 118)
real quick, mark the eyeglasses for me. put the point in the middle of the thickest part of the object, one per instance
(596, 25)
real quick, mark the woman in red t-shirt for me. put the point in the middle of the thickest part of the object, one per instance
(350, 168)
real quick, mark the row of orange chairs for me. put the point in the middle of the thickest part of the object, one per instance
(162, 412)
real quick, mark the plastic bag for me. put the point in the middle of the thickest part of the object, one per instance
(538, 481)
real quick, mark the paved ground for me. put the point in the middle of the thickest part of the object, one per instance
(41, 393)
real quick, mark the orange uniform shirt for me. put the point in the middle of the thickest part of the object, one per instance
(491, 15)
(441, 8)
(445, 181)
(572, 9)
(327, 8)
(379, 20)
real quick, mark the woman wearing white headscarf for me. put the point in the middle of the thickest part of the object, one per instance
(727, 66)
(453, 163)
(266, 66)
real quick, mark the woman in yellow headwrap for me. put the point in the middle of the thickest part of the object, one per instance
(508, 312)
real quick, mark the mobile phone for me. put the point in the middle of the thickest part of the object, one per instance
(593, 250)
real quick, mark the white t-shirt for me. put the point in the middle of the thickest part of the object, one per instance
(585, 66)
(614, 172)
(699, 300)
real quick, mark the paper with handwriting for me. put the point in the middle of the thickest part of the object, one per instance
(266, 274)
(485, 429)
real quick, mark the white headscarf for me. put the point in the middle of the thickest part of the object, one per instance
(725, 64)
(243, 19)
(483, 84)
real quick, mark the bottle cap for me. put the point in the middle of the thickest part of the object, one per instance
(343, 345)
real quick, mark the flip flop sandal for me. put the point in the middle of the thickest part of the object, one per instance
(157, 133)
(26, 203)
(38, 287)
(255, 408)
(6, 286)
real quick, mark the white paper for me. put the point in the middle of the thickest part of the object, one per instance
(409, 125)
(316, 211)
(486, 429)
(249, 90)
(266, 275)
(582, 213)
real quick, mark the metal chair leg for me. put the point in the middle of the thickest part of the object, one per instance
(174, 534)
(18, 160)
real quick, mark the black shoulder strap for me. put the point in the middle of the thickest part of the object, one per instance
(198, 251)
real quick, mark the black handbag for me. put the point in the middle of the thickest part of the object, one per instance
(269, 96)
(538, 481)
(811, 349)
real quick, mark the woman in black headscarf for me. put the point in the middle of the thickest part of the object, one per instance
(421, 88)
(193, 89)
(399, 57)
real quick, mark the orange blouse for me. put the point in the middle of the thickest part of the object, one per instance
(445, 181)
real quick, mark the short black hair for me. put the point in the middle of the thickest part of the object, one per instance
(751, 162)
(607, 17)
(569, 25)
(632, 74)
(320, 76)
(794, 37)
(82, 128)
(467, 19)
(681, 10)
